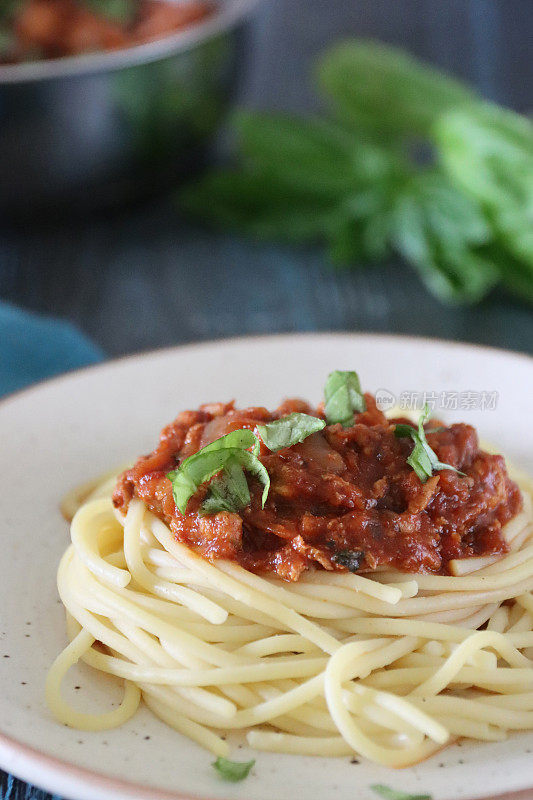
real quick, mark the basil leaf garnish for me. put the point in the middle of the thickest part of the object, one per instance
(289, 430)
(343, 397)
(395, 794)
(233, 771)
(423, 459)
(228, 491)
(351, 559)
(226, 455)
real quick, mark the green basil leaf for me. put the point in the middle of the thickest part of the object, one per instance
(251, 463)
(289, 430)
(488, 152)
(233, 771)
(443, 232)
(262, 205)
(423, 459)
(385, 90)
(310, 153)
(207, 462)
(343, 397)
(227, 492)
(351, 559)
(395, 794)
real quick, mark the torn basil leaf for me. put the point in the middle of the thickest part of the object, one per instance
(233, 771)
(227, 455)
(395, 794)
(343, 397)
(351, 559)
(423, 459)
(289, 430)
(228, 491)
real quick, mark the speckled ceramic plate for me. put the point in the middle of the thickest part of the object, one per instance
(70, 429)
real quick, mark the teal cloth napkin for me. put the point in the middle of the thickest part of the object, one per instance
(33, 348)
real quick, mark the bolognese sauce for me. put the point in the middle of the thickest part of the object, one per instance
(345, 498)
(44, 29)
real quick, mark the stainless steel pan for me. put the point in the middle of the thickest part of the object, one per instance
(104, 127)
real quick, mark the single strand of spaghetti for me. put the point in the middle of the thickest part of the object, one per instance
(187, 597)
(279, 643)
(477, 710)
(475, 658)
(193, 730)
(355, 583)
(406, 588)
(456, 660)
(459, 567)
(84, 531)
(408, 627)
(290, 725)
(458, 726)
(76, 719)
(523, 701)
(499, 620)
(340, 668)
(525, 599)
(496, 679)
(332, 746)
(117, 559)
(522, 623)
(236, 589)
(458, 617)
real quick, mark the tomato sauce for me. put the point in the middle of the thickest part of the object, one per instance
(42, 29)
(344, 498)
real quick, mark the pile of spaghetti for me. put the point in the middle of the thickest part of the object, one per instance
(386, 664)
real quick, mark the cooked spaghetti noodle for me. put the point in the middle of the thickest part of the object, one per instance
(389, 665)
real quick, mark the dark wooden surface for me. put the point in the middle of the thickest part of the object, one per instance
(143, 278)
(146, 279)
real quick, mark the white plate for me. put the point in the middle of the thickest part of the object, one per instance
(70, 429)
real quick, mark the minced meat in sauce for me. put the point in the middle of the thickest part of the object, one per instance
(344, 498)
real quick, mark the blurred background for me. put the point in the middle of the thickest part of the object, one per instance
(142, 275)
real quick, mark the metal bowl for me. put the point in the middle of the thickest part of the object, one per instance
(102, 128)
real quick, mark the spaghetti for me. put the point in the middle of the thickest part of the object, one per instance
(387, 664)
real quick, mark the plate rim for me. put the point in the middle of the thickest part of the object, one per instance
(54, 774)
(109, 363)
